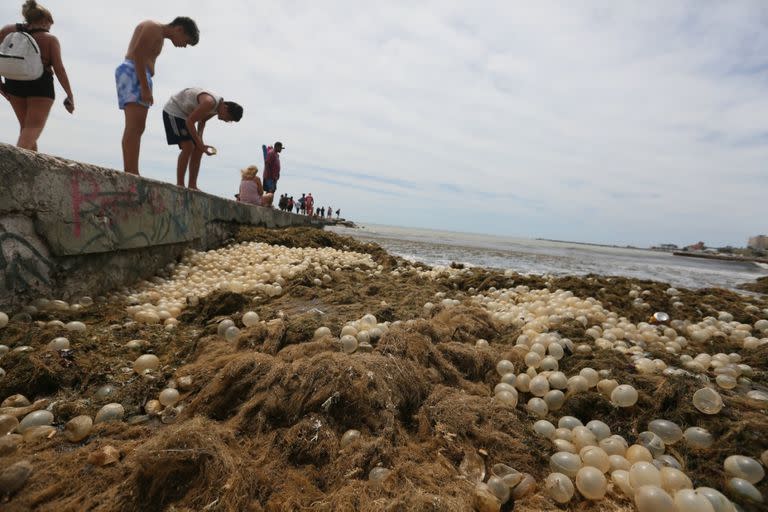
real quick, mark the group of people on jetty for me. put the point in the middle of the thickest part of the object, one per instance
(305, 205)
(31, 56)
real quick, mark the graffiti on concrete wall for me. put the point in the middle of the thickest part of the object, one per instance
(23, 266)
(140, 215)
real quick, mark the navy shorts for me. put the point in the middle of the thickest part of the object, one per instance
(270, 185)
(176, 130)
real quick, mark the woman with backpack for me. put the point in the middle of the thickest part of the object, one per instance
(32, 98)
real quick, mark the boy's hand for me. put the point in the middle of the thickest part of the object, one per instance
(146, 97)
(69, 104)
(209, 150)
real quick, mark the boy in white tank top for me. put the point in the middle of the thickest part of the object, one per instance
(184, 117)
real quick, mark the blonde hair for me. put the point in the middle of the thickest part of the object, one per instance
(249, 172)
(33, 12)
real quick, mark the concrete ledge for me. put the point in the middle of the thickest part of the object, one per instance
(68, 228)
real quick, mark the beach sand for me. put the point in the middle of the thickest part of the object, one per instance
(262, 420)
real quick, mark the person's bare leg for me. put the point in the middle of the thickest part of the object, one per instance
(194, 168)
(187, 147)
(135, 122)
(34, 122)
(19, 106)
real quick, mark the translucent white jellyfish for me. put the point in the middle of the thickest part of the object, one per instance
(146, 363)
(650, 498)
(596, 457)
(348, 343)
(543, 428)
(591, 483)
(539, 386)
(499, 489)
(644, 473)
(508, 474)
(59, 344)
(34, 419)
(232, 334)
(168, 397)
(614, 445)
(747, 468)
(708, 401)
(618, 462)
(555, 399)
(743, 490)
(349, 437)
(78, 428)
(110, 412)
(251, 318)
(688, 500)
(378, 475)
(569, 422)
(559, 487)
(718, 501)
(565, 463)
(638, 453)
(582, 437)
(223, 326)
(668, 431)
(505, 366)
(652, 442)
(507, 398)
(9, 423)
(620, 479)
(698, 437)
(624, 395)
(599, 429)
(672, 480)
(537, 407)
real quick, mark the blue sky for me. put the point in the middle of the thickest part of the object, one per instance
(604, 121)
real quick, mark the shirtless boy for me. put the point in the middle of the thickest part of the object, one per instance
(134, 78)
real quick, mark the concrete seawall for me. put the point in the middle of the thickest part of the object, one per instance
(68, 228)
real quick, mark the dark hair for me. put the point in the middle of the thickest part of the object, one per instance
(34, 13)
(190, 28)
(235, 110)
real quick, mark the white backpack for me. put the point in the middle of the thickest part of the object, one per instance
(20, 57)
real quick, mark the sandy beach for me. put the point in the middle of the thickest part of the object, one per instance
(263, 414)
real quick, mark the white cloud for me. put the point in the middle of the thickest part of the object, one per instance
(603, 121)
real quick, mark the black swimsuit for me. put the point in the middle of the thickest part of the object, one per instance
(40, 88)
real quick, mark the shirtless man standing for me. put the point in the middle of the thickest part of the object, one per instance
(134, 78)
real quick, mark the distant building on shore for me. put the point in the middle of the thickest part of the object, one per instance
(759, 242)
(699, 246)
(665, 247)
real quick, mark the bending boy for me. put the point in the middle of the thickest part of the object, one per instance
(134, 78)
(184, 117)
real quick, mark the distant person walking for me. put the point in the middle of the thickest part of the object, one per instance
(303, 203)
(272, 167)
(310, 203)
(134, 78)
(184, 116)
(329, 212)
(251, 189)
(338, 212)
(28, 49)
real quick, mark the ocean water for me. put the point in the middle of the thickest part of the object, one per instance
(529, 256)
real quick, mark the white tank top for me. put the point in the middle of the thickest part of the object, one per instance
(183, 103)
